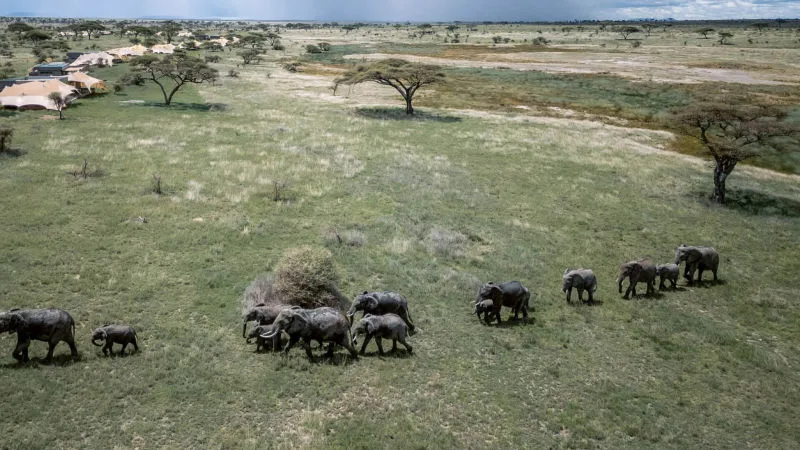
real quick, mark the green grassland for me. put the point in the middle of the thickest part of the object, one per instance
(445, 201)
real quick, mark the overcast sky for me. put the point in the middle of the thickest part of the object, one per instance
(410, 10)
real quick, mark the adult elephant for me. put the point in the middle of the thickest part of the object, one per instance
(380, 303)
(511, 294)
(49, 325)
(261, 314)
(580, 279)
(641, 270)
(697, 258)
(323, 324)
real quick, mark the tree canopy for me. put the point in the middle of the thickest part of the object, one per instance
(733, 134)
(172, 72)
(406, 77)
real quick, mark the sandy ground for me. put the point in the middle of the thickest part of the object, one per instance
(636, 66)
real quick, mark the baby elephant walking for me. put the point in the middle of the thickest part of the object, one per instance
(115, 334)
(668, 272)
(387, 326)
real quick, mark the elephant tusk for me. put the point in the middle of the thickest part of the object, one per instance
(95, 343)
(269, 335)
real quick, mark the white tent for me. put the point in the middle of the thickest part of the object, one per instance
(33, 94)
(92, 59)
(164, 49)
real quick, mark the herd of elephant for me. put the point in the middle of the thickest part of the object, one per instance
(385, 314)
(492, 297)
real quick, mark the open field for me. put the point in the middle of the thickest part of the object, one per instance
(574, 174)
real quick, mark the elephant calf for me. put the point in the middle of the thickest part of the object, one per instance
(263, 344)
(641, 270)
(484, 307)
(115, 334)
(580, 279)
(378, 303)
(387, 326)
(668, 272)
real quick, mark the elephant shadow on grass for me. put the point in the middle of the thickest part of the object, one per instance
(511, 322)
(400, 353)
(59, 360)
(382, 113)
(754, 202)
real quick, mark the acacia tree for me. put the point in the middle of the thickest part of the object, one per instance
(734, 134)
(89, 26)
(60, 101)
(404, 76)
(627, 31)
(19, 28)
(169, 29)
(172, 72)
(705, 32)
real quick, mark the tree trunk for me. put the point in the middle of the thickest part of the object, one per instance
(409, 108)
(722, 169)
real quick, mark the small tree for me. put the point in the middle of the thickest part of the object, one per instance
(724, 36)
(5, 138)
(59, 101)
(648, 28)
(89, 26)
(169, 29)
(250, 56)
(19, 28)
(402, 75)
(731, 135)
(176, 69)
(627, 31)
(37, 36)
(705, 32)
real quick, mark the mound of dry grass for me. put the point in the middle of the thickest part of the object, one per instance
(305, 277)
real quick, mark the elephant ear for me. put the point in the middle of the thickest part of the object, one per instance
(370, 327)
(17, 323)
(693, 255)
(372, 302)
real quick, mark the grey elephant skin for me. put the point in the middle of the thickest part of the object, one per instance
(639, 271)
(386, 326)
(511, 294)
(379, 303)
(580, 279)
(323, 324)
(485, 307)
(667, 272)
(263, 344)
(697, 258)
(261, 314)
(49, 325)
(115, 334)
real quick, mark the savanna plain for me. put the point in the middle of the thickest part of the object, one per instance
(530, 159)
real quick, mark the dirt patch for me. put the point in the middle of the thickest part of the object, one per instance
(636, 66)
(49, 117)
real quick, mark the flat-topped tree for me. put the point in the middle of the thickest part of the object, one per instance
(734, 134)
(19, 28)
(173, 72)
(170, 29)
(89, 26)
(406, 77)
(705, 32)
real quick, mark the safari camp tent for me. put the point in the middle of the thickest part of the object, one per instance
(34, 94)
(82, 81)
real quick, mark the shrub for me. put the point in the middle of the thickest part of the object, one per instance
(311, 48)
(5, 138)
(261, 290)
(213, 58)
(305, 277)
(540, 41)
(451, 244)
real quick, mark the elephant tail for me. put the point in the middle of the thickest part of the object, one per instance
(411, 328)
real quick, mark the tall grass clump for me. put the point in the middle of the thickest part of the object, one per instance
(305, 277)
(448, 243)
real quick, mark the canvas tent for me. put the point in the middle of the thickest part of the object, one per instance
(33, 94)
(128, 52)
(164, 49)
(81, 80)
(91, 59)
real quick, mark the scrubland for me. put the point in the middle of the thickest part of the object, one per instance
(468, 190)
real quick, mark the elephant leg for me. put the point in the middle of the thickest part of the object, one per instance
(569, 295)
(51, 346)
(364, 345)
(276, 342)
(580, 295)
(72, 348)
(627, 295)
(346, 343)
(135, 346)
(292, 341)
(591, 298)
(330, 349)
(497, 316)
(714, 271)
(380, 346)
(122, 352)
(107, 348)
(394, 345)
(21, 351)
(307, 347)
(407, 345)
(700, 274)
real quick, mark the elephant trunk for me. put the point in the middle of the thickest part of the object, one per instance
(619, 282)
(94, 341)
(249, 340)
(244, 329)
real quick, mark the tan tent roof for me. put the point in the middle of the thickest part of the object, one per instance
(38, 88)
(134, 50)
(164, 48)
(84, 80)
(27, 102)
(93, 59)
